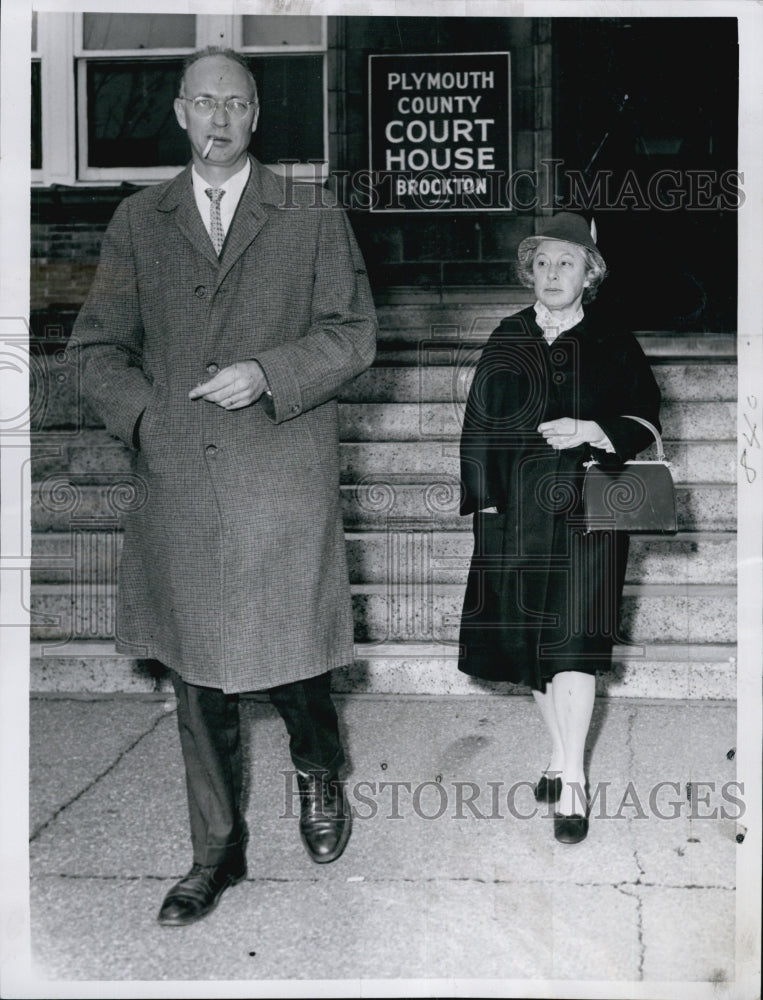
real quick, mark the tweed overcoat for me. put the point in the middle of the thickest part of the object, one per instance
(234, 570)
(542, 594)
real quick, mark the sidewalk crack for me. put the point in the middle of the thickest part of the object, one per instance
(624, 889)
(123, 753)
(631, 889)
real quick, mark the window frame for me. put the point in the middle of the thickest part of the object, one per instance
(55, 47)
(36, 173)
(64, 61)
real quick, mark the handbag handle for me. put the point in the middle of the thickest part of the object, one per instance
(655, 432)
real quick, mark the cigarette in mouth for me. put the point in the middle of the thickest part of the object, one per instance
(207, 148)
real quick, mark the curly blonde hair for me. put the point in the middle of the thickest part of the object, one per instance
(594, 262)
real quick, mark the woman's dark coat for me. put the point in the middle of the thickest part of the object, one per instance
(542, 594)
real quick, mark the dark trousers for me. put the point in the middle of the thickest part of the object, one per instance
(208, 722)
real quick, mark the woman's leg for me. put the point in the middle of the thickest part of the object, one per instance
(573, 696)
(545, 702)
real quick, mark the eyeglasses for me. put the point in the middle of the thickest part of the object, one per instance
(205, 107)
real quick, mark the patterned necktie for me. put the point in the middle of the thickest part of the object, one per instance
(215, 219)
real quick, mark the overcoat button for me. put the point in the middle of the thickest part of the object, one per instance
(200, 291)
(211, 449)
(212, 368)
(295, 409)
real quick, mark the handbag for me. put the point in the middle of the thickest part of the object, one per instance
(634, 496)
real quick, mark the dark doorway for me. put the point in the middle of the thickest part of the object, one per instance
(645, 122)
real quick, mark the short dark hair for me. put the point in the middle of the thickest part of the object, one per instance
(219, 50)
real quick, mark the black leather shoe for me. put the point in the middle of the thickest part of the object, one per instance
(548, 789)
(198, 892)
(324, 817)
(570, 829)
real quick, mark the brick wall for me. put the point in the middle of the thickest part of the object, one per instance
(63, 263)
(67, 226)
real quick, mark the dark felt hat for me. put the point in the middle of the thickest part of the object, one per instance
(565, 226)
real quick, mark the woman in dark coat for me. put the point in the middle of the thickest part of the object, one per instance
(549, 393)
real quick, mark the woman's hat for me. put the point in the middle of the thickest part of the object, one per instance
(565, 226)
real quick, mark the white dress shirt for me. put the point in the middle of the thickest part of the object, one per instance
(233, 188)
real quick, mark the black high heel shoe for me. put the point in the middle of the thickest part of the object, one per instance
(548, 789)
(572, 829)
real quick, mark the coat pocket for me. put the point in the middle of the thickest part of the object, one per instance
(152, 428)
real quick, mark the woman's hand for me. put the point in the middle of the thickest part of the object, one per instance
(569, 433)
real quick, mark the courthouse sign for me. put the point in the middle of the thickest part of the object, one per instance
(440, 131)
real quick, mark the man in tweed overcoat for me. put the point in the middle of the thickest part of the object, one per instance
(222, 371)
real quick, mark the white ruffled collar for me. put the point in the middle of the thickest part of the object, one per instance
(550, 323)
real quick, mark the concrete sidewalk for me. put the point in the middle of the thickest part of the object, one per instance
(430, 887)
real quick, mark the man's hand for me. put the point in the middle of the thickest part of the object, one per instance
(569, 433)
(234, 387)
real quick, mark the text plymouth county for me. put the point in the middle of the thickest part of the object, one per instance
(466, 80)
(438, 104)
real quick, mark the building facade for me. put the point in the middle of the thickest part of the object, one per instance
(448, 140)
(598, 116)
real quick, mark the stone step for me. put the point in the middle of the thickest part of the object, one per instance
(427, 611)
(57, 404)
(444, 383)
(684, 420)
(692, 462)
(60, 502)
(408, 351)
(649, 613)
(407, 555)
(95, 452)
(472, 323)
(649, 671)
(470, 317)
(467, 312)
(398, 501)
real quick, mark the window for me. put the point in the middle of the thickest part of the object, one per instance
(291, 108)
(120, 32)
(36, 115)
(124, 71)
(286, 55)
(279, 30)
(129, 120)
